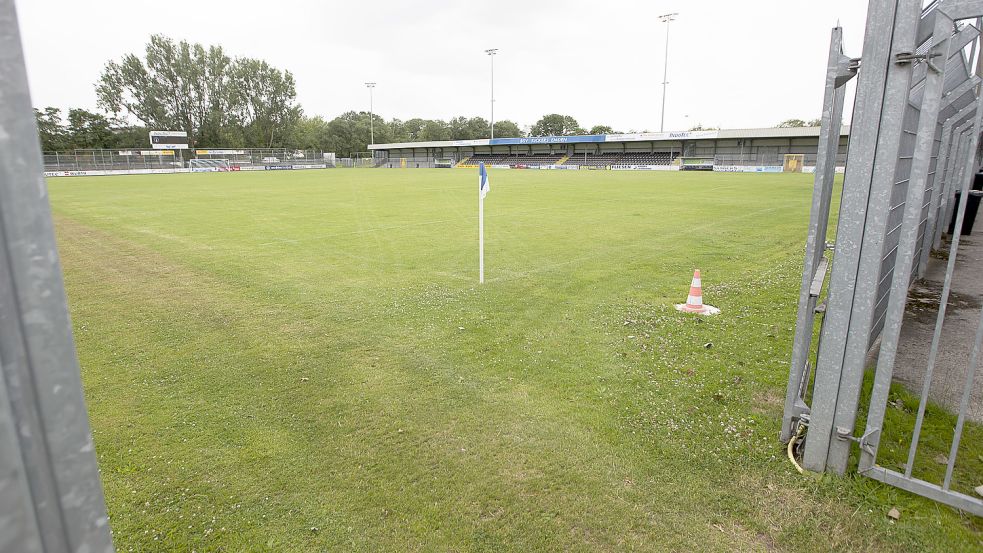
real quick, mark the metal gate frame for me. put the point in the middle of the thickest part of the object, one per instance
(946, 15)
(943, 172)
(50, 496)
(839, 70)
(914, 140)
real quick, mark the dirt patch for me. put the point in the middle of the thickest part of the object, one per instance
(962, 315)
(768, 402)
(925, 297)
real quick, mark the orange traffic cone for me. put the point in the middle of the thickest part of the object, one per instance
(694, 303)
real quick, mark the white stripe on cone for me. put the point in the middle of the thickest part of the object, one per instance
(694, 304)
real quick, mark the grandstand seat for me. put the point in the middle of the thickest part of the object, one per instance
(621, 158)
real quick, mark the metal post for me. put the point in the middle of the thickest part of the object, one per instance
(944, 302)
(371, 114)
(946, 153)
(908, 240)
(50, 496)
(860, 330)
(839, 70)
(847, 281)
(943, 493)
(481, 237)
(968, 389)
(666, 18)
(955, 180)
(491, 55)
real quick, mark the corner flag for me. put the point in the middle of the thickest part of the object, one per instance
(483, 184)
(483, 187)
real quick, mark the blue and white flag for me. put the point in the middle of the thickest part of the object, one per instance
(483, 184)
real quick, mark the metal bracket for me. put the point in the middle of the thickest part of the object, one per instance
(846, 69)
(818, 277)
(800, 415)
(800, 420)
(908, 57)
(864, 441)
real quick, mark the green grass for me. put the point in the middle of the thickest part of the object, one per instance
(304, 362)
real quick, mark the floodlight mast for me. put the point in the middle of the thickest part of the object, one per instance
(370, 86)
(666, 18)
(491, 54)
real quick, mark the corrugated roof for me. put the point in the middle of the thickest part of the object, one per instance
(791, 132)
(675, 136)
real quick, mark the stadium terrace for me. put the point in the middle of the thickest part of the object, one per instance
(769, 150)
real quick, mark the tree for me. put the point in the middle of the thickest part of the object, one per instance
(90, 130)
(507, 129)
(215, 99)
(413, 128)
(434, 130)
(260, 100)
(397, 131)
(54, 137)
(309, 133)
(555, 124)
(791, 123)
(457, 128)
(601, 129)
(464, 128)
(478, 127)
(86, 129)
(130, 136)
(349, 133)
(814, 123)
(383, 133)
(344, 135)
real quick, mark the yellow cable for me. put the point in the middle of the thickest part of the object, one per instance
(791, 445)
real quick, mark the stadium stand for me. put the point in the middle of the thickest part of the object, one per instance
(488, 159)
(581, 160)
(533, 159)
(511, 160)
(632, 158)
(754, 150)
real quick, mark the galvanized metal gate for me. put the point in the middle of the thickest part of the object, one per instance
(50, 496)
(914, 141)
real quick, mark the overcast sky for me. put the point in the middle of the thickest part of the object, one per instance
(731, 64)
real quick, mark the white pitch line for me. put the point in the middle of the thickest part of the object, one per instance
(690, 230)
(466, 219)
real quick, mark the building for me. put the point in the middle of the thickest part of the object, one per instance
(761, 150)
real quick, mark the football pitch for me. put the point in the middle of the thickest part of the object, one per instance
(304, 360)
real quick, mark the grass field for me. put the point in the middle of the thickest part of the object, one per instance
(303, 361)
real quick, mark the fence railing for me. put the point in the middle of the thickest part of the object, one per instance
(915, 136)
(136, 158)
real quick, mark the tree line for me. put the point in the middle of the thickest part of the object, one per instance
(795, 123)
(346, 134)
(221, 101)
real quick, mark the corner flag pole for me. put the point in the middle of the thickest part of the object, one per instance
(483, 187)
(481, 237)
